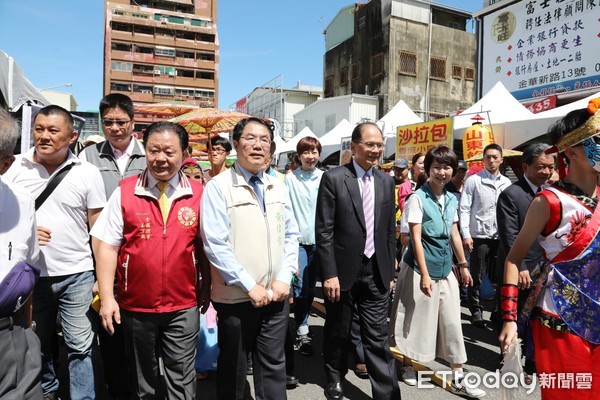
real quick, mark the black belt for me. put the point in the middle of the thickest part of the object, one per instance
(6, 323)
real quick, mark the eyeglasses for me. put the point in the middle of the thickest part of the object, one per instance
(110, 122)
(263, 140)
(372, 145)
(218, 151)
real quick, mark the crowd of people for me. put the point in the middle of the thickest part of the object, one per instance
(180, 270)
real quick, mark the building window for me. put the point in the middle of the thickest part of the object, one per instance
(206, 38)
(142, 89)
(470, 74)
(206, 56)
(120, 87)
(344, 76)
(184, 54)
(164, 90)
(205, 75)
(329, 86)
(437, 67)
(164, 51)
(205, 93)
(408, 63)
(120, 46)
(377, 65)
(121, 66)
(163, 70)
(457, 71)
(355, 70)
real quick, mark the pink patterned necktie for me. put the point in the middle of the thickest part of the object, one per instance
(369, 213)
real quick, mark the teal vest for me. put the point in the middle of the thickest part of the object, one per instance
(436, 229)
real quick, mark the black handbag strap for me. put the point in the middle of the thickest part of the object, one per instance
(51, 186)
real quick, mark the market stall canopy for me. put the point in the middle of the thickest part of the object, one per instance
(498, 107)
(332, 140)
(291, 145)
(399, 115)
(537, 125)
(206, 122)
(15, 88)
(166, 109)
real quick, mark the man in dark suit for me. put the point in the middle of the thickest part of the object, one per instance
(511, 209)
(356, 243)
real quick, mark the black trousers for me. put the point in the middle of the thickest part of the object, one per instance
(243, 328)
(116, 372)
(371, 299)
(483, 257)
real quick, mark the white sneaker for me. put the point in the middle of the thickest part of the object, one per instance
(409, 376)
(463, 388)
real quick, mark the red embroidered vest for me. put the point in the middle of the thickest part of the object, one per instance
(156, 270)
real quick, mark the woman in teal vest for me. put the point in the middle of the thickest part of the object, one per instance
(428, 321)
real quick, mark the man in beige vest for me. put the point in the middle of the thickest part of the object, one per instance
(251, 239)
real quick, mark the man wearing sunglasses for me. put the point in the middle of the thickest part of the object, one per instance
(120, 155)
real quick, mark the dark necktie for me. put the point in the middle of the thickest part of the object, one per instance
(254, 180)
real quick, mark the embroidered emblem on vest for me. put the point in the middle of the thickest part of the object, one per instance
(145, 229)
(186, 216)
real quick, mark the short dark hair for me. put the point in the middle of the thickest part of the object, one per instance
(357, 132)
(221, 141)
(117, 100)
(443, 155)
(10, 130)
(53, 109)
(239, 127)
(533, 151)
(308, 143)
(166, 126)
(492, 146)
(568, 123)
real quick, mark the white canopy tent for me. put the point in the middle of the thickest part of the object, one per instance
(331, 141)
(15, 88)
(537, 125)
(497, 107)
(399, 115)
(292, 143)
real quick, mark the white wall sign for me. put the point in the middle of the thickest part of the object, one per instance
(539, 48)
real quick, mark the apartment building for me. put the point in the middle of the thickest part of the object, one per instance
(161, 51)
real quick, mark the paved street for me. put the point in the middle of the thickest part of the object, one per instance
(481, 351)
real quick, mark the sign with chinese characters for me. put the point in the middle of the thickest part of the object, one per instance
(475, 138)
(345, 151)
(542, 47)
(542, 105)
(418, 138)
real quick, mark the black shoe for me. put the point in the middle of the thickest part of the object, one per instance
(304, 345)
(291, 381)
(333, 391)
(360, 369)
(477, 319)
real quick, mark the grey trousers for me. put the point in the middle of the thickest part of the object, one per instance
(171, 337)
(21, 364)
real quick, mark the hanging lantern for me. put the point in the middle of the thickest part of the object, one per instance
(475, 138)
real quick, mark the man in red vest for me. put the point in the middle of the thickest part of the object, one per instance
(149, 238)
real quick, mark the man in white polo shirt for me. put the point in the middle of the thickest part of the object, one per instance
(65, 284)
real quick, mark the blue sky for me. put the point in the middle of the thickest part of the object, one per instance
(61, 41)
